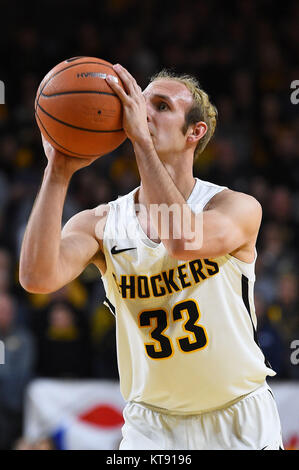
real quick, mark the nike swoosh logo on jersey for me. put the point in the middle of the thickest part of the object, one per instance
(114, 251)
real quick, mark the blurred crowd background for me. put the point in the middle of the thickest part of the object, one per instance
(245, 54)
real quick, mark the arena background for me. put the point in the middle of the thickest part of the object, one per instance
(245, 54)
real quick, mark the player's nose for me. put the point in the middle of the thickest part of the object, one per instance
(149, 106)
(148, 111)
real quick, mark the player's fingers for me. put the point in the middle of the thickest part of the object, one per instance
(46, 144)
(127, 79)
(117, 89)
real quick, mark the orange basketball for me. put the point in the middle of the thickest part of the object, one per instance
(77, 111)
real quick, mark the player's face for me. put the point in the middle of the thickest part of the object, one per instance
(167, 102)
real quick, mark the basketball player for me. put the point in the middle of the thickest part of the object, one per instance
(190, 367)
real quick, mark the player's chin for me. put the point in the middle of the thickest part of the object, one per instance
(166, 156)
(161, 149)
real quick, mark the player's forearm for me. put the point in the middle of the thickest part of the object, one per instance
(41, 242)
(178, 220)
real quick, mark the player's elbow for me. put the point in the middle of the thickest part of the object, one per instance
(172, 246)
(36, 287)
(190, 249)
(182, 249)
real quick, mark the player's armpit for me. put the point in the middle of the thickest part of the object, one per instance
(230, 224)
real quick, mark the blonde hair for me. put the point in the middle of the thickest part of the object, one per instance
(201, 110)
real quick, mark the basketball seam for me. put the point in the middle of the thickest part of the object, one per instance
(68, 67)
(75, 65)
(77, 127)
(68, 150)
(77, 92)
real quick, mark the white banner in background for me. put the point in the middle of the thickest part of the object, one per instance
(75, 414)
(87, 415)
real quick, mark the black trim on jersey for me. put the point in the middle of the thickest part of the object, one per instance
(271, 394)
(111, 307)
(245, 298)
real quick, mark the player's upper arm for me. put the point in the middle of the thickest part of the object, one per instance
(240, 217)
(232, 221)
(80, 242)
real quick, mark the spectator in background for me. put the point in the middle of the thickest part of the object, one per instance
(276, 255)
(104, 344)
(15, 372)
(5, 270)
(63, 342)
(227, 167)
(269, 337)
(284, 315)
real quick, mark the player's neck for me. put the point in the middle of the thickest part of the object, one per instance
(180, 169)
(182, 177)
(184, 182)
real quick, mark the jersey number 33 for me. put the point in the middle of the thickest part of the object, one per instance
(162, 347)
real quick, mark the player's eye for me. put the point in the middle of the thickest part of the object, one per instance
(162, 106)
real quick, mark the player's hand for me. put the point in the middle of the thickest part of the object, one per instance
(63, 164)
(134, 105)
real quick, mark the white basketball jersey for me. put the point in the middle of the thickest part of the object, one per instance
(186, 330)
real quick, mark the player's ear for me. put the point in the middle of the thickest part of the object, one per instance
(197, 131)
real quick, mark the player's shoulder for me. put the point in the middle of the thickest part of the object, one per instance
(241, 208)
(86, 220)
(238, 200)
